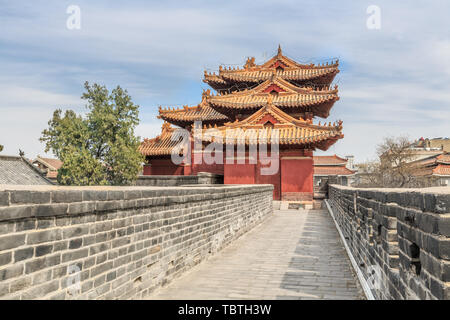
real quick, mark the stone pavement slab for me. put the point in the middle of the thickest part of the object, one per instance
(294, 254)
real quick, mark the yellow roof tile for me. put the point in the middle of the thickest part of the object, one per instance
(290, 96)
(290, 131)
(161, 145)
(187, 115)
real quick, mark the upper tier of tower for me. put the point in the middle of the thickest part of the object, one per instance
(251, 74)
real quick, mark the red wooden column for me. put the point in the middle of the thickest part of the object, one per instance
(189, 165)
(297, 176)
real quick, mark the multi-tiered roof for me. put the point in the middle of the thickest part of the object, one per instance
(278, 94)
(186, 116)
(162, 145)
(299, 101)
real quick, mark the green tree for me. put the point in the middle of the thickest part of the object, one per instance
(1, 148)
(101, 148)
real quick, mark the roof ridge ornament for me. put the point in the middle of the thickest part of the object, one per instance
(249, 63)
(279, 53)
(206, 93)
(166, 126)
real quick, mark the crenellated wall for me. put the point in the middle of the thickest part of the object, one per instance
(116, 242)
(400, 238)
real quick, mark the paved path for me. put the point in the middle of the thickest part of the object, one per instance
(292, 255)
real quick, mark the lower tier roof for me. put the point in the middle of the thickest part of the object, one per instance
(268, 125)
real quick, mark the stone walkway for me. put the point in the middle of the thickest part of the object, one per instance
(295, 254)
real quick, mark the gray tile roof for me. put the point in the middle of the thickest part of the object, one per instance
(16, 171)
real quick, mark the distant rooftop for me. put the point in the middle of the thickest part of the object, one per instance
(18, 171)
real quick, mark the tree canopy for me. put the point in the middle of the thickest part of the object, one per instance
(100, 148)
(1, 148)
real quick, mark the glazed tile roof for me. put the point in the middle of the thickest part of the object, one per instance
(443, 158)
(288, 70)
(332, 170)
(161, 145)
(329, 160)
(442, 169)
(18, 171)
(187, 115)
(291, 131)
(288, 96)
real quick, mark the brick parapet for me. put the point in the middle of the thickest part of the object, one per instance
(115, 242)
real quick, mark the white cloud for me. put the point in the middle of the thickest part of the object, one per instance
(24, 113)
(394, 80)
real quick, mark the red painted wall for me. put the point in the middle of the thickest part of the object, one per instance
(297, 178)
(239, 174)
(251, 174)
(216, 168)
(147, 170)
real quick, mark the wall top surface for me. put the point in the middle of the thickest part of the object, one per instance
(434, 190)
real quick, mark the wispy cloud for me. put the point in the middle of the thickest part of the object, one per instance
(392, 81)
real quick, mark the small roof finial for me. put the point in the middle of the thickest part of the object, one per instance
(279, 49)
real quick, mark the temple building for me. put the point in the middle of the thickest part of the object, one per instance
(269, 108)
(332, 170)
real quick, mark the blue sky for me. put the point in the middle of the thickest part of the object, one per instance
(393, 81)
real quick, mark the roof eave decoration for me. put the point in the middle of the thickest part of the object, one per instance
(162, 145)
(288, 96)
(291, 131)
(187, 115)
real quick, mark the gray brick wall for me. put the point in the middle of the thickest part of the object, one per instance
(406, 233)
(121, 242)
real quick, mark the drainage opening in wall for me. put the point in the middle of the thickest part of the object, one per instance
(415, 258)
